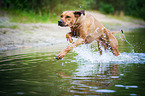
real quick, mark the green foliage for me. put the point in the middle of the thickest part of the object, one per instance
(135, 8)
(48, 10)
(142, 12)
(47, 6)
(129, 7)
(41, 10)
(27, 16)
(106, 8)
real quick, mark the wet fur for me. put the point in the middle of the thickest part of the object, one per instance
(87, 29)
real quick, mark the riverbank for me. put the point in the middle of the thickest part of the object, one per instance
(19, 35)
(117, 23)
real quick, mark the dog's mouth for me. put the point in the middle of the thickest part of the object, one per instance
(60, 23)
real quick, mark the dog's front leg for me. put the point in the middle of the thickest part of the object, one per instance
(68, 37)
(69, 48)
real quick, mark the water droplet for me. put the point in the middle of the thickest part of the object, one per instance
(121, 74)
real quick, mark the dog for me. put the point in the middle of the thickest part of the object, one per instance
(87, 29)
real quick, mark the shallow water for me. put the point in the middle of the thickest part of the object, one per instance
(36, 72)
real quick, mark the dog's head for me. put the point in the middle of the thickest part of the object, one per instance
(68, 17)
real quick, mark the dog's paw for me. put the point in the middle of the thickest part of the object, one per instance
(58, 58)
(60, 55)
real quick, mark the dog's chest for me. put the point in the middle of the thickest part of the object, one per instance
(75, 31)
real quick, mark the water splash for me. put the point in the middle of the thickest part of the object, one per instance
(126, 40)
(86, 54)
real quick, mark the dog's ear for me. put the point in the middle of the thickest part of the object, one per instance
(79, 13)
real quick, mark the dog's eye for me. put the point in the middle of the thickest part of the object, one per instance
(61, 16)
(68, 17)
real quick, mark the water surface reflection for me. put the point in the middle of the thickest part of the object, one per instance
(35, 72)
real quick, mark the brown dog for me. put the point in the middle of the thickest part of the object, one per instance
(87, 29)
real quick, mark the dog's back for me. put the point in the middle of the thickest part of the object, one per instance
(91, 26)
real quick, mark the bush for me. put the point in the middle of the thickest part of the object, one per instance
(142, 13)
(106, 8)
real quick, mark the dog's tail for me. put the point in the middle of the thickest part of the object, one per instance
(122, 31)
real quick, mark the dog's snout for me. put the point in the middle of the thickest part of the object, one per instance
(60, 21)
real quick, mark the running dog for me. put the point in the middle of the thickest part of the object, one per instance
(87, 29)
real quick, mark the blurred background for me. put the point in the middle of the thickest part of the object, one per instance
(40, 10)
(30, 39)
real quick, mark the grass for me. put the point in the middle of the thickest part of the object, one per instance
(14, 27)
(29, 32)
(9, 26)
(31, 17)
(2, 26)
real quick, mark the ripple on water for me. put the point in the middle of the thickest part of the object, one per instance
(126, 87)
(105, 91)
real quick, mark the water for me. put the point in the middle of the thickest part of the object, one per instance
(36, 72)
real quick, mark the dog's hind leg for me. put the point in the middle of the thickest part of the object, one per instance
(112, 41)
(114, 45)
(104, 43)
(115, 50)
(99, 47)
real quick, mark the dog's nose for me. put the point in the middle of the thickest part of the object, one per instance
(60, 21)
